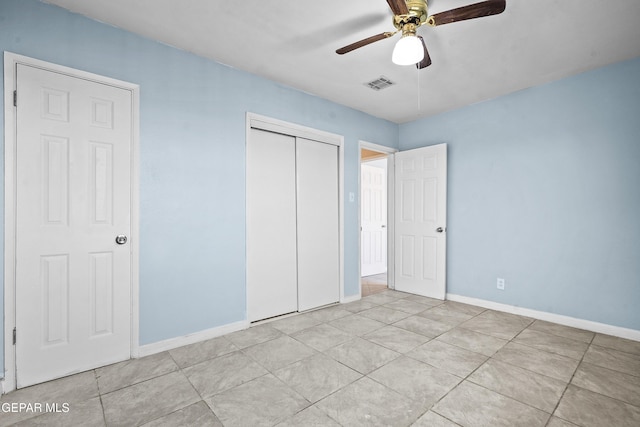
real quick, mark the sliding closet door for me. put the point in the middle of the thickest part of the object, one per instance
(271, 225)
(318, 224)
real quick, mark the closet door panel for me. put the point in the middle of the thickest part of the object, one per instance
(271, 225)
(317, 224)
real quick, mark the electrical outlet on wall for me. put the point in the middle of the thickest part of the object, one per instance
(500, 283)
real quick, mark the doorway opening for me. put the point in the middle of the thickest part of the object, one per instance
(374, 219)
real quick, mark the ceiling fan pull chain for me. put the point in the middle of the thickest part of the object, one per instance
(419, 91)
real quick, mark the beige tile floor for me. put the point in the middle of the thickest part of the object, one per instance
(390, 359)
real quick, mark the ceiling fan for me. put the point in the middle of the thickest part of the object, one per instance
(409, 15)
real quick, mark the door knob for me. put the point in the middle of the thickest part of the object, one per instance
(121, 239)
(384, 226)
(439, 229)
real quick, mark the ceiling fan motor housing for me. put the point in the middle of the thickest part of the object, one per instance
(417, 14)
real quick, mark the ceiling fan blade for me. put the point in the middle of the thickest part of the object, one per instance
(398, 7)
(427, 59)
(364, 42)
(477, 10)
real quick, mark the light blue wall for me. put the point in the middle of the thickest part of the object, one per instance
(192, 190)
(544, 191)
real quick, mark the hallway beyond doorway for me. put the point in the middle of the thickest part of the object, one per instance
(373, 284)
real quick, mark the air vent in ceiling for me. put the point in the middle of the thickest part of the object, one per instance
(379, 83)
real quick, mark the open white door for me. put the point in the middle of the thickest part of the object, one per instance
(373, 218)
(421, 221)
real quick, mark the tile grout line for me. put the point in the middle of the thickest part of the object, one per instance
(181, 369)
(570, 380)
(104, 415)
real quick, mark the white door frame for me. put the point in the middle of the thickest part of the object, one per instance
(390, 210)
(11, 61)
(279, 126)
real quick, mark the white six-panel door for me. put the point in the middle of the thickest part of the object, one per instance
(373, 207)
(73, 281)
(420, 221)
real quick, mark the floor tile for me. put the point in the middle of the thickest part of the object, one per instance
(316, 377)
(448, 365)
(423, 326)
(362, 355)
(431, 419)
(444, 314)
(322, 337)
(381, 298)
(278, 353)
(295, 323)
(545, 363)
(328, 314)
(384, 314)
(396, 294)
(610, 383)
(535, 390)
(620, 344)
(193, 354)
(429, 302)
(396, 339)
(415, 380)
(358, 306)
(196, 415)
(627, 363)
(129, 372)
(382, 406)
(562, 331)
(452, 359)
(552, 343)
(471, 405)
(72, 389)
(589, 409)
(253, 335)
(83, 414)
(463, 308)
(407, 306)
(309, 417)
(499, 325)
(223, 373)
(264, 401)
(472, 341)
(357, 325)
(558, 422)
(148, 400)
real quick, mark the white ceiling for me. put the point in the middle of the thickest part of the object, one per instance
(293, 42)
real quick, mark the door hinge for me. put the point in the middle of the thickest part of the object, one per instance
(15, 98)
(14, 336)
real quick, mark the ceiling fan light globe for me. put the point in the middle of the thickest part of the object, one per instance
(408, 51)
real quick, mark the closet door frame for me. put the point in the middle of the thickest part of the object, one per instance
(269, 124)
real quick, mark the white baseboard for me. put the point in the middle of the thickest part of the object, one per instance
(352, 298)
(160, 346)
(573, 322)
